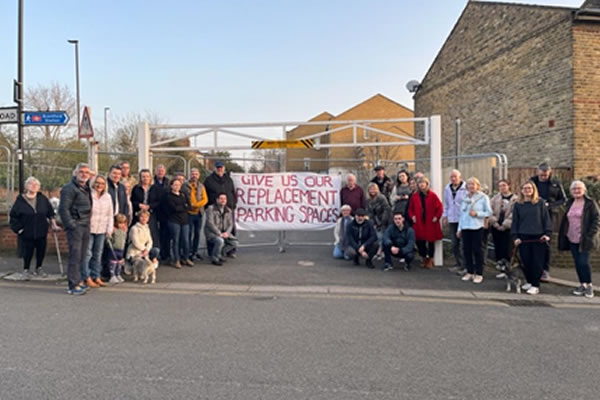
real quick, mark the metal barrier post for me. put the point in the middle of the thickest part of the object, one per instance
(436, 173)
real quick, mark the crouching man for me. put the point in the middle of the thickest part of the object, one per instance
(361, 239)
(219, 224)
(398, 241)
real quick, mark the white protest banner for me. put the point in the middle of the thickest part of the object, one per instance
(286, 201)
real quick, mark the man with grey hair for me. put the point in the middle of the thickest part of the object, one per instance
(454, 192)
(551, 190)
(353, 195)
(75, 210)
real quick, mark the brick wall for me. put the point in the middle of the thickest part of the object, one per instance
(8, 240)
(506, 72)
(586, 101)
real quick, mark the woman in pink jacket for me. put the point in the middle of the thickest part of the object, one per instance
(101, 227)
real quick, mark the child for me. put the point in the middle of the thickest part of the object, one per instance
(116, 255)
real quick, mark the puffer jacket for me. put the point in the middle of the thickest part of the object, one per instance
(379, 211)
(140, 240)
(403, 238)
(216, 184)
(197, 202)
(360, 234)
(217, 221)
(75, 206)
(498, 205)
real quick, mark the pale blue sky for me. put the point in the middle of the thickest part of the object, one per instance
(229, 61)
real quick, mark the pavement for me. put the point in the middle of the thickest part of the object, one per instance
(311, 269)
(183, 345)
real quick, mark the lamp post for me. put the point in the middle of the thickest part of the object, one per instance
(76, 43)
(106, 109)
(19, 96)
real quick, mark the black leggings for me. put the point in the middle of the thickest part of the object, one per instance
(31, 245)
(532, 258)
(502, 242)
(472, 240)
(426, 249)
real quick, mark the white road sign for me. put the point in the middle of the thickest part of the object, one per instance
(8, 115)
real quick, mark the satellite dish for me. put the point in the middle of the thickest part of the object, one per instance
(413, 85)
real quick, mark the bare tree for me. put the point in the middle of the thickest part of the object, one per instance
(55, 97)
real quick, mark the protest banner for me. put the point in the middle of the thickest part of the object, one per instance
(286, 201)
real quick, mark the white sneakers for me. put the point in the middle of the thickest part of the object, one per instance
(477, 279)
(526, 286)
(533, 290)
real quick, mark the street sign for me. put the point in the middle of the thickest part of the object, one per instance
(85, 129)
(283, 144)
(45, 118)
(9, 115)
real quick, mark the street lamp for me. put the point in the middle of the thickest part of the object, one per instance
(76, 43)
(106, 109)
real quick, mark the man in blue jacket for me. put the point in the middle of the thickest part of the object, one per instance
(398, 241)
(361, 239)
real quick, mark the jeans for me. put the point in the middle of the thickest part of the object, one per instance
(582, 263)
(387, 250)
(90, 267)
(195, 222)
(29, 246)
(180, 236)
(78, 239)
(338, 252)
(456, 249)
(472, 248)
(220, 246)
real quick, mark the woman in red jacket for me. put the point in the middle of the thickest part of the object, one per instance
(425, 210)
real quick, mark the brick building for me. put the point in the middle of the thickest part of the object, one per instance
(524, 80)
(354, 159)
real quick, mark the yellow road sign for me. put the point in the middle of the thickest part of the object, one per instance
(283, 144)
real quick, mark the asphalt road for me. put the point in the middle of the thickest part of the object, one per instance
(127, 345)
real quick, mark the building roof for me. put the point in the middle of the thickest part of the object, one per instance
(591, 4)
(375, 97)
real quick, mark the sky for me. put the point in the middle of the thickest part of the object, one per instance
(228, 61)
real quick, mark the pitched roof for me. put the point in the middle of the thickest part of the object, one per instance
(591, 4)
(377, 96)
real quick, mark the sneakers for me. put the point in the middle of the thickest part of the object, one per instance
(25, 275)
(589, 291)
(545, 276)
(41, 273)
(114, 280)
(232, 254)
(477, 279)
(387, 267)
(189, 263)
(77, 291)
(579, 291)
(533, 290)
(216, 262)
(467, 277)
(461, 272)
(120, 278)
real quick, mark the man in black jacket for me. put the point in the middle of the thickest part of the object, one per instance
(75, 210)
(398, 241)
(361, 239)
(158, 217)
(117, 191)
(551, 190)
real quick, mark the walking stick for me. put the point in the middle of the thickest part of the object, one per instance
(60, 264)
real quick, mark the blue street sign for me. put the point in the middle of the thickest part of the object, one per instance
(45, 118)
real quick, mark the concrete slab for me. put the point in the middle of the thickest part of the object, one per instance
(288, 289)
(438, 293)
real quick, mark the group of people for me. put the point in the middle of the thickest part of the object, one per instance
(402, 217)
(110, 221)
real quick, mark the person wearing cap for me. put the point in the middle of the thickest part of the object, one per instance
(551, 191)
(383, 181)
(352, 194)
(339, 233)
(361, 239)
(220, 182)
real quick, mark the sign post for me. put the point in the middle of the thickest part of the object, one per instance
(87, 132)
